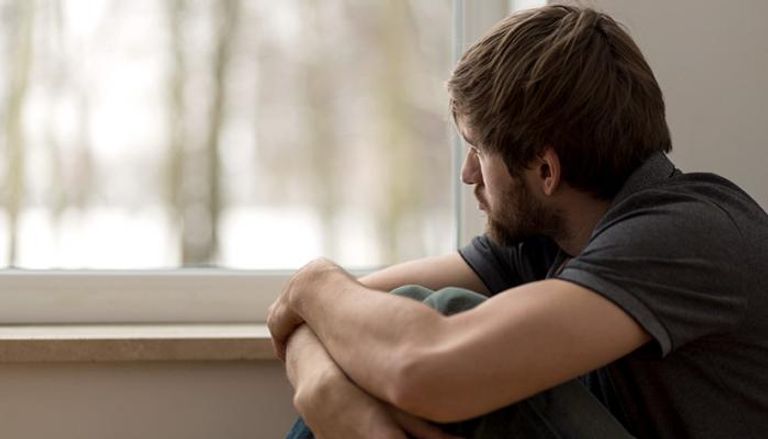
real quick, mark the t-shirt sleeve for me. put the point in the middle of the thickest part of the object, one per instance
(671, 264)
(501, 268)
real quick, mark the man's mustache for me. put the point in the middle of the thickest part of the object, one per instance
(480, 197)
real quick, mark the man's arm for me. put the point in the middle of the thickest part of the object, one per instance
(330, 404)
(516, 344)
(334, 407)
(434, 273)
(313, 373)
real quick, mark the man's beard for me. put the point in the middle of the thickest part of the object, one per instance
(520, 216)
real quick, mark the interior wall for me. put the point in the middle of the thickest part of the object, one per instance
(147, 400)
(711, 60)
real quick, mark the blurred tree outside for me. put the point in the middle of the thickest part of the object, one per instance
(18, 17)
(166, 133)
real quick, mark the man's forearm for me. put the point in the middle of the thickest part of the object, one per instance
(434, 272)
(307, 363)
(332, 405)
(355, 325)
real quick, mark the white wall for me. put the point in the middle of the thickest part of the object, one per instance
(144, 400)
(711, 60)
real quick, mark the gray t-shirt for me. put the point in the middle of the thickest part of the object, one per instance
(686, 255)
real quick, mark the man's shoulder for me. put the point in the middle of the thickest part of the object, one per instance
(689, 199)
(503, 267)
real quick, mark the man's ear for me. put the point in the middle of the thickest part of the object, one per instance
(549, 171)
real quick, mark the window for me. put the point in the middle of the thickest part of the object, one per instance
(159, 134)
(240, 134)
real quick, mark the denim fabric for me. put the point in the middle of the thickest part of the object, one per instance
(299, 430)
(568, 411)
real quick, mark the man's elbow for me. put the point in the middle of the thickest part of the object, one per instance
(416, 389)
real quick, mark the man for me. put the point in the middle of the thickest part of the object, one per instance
(625, 296)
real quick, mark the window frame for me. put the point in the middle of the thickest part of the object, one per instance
(56, 297)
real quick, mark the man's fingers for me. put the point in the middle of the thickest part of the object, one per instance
(278, 345)
(277, 323)
(279, 350)
(281, 323)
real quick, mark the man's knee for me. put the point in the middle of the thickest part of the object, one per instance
(447, 301)
(454, 300)
(415, 292)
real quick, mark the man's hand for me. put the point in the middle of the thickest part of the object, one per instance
(282, 321)
(339, 409)
(342, 410)
(282, 318)
(334, 407)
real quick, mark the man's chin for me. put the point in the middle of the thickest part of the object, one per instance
(500, 235)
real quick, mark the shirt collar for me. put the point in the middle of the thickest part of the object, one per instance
(657, 168)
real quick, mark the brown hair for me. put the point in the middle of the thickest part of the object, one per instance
(566, 77)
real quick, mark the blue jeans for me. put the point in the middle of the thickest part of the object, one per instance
(566, 411)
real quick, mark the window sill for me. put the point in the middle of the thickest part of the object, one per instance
(134, 342)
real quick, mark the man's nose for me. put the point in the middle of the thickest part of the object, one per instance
(470, 170)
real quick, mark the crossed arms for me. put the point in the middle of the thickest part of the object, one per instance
(516, 344)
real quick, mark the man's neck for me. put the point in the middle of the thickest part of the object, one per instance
(580, 214)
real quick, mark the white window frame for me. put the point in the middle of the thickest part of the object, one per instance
(42, 297)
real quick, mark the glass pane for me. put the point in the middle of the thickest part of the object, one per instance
(244, 134)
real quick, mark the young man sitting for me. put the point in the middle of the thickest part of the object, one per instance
(612, 296)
